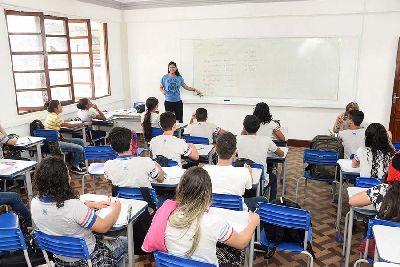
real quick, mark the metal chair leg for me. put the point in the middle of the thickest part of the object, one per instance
(346, 223)
(297, 186)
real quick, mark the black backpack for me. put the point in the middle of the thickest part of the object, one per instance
(35, 125)
(325, 142)
(278, 234)
(240, 162)
(163, 161)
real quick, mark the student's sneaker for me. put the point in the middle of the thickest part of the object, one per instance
(82, 165)
(77, 170)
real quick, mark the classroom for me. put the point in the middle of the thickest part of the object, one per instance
(130, 130)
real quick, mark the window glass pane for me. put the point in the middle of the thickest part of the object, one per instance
(56, 44)
(26, 43)
(26, 24)
(81, 75)
(80, 61)
(77, 28)
(59, 77)
(61, 93)
(100, 81)
(99, 59)
(27, 62)
(31, 99)
(54, 26)
(29, 80)
(79, 45)
(82, 90)
(58, 61)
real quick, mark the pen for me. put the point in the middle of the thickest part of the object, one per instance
(29, 140)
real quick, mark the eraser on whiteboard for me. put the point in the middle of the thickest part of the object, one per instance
(227, 100)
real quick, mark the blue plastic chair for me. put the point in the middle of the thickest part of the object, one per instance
(164, 259)
(51, 136)
(134, 193)
(195, 139)
(370, 235)
(321, 158)
(286, 217)
(96, 169)
(225, 201)
(156, 131)
(262, 177)
(67, 246)
(396, 146)
(11, 237)
(367, 182)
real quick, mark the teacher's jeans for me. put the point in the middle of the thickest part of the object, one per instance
(175, 107)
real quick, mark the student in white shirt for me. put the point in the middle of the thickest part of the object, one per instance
(268, 127)
(150, 118)
(193, 229)
(201, 127)
(374, 158)
(354, 137)
(168, 145)
(256, 148)
(227, 179)
(128, 170)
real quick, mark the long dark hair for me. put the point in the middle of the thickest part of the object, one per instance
(261, 111)
(51, 105)
(390, 208)
(51, 179)
(382, 152)
(151, 104)
(83, 102)
(174, 64)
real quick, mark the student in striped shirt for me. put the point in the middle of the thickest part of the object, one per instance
(57, 210)
(75, 145)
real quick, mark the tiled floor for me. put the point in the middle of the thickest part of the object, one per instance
(319, 201)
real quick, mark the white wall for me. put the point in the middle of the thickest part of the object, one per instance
(116, 45)
(154, 38)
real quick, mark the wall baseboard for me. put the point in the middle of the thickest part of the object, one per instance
(299, 143)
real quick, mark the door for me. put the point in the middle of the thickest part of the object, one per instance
(394, 125)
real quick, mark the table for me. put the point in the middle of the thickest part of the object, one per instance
(206, 151)
(367, 210)
(386, 243)
(385, 264)
(26, 142)
(238, 220)
(273, 158)
(77, 130)
(172, 176)
(345, 170)
(12, 168)
(137, 208)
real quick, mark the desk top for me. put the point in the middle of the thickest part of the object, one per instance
(172, 176)
(122, 113)
(345, 166)
(385, 239)
(28, 141)
(9, 168)
(204, 150)
(385, 264)
(237, 219)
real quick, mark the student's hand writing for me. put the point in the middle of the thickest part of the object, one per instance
(254, 218)
(116, 205)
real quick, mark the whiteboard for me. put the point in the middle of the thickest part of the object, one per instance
(313, 70)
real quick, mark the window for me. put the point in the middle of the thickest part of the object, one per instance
(56, 58)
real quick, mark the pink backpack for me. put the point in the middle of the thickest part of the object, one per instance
(155, 238)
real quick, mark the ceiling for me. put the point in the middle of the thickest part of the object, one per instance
(142, 4)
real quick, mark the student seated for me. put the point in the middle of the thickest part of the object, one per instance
(227, 179)
(256, 148)
(353, 137)
(12, 199)
(128, 170)
(168, 145)
(75, 145)
(384, 197)
(57, 210)
(193, 229)
(201, 127)
(374, 158)
(268, 127)
(150, 118)
(342, 120)
(5, 140)
(87, 111)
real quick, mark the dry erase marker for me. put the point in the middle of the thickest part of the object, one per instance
(227, 100)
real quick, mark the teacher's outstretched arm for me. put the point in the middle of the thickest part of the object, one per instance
(186, 87)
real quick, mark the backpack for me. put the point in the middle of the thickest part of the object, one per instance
(163, 161)
(325, 142)
(35, 125)
(278, 234)
(240, 162)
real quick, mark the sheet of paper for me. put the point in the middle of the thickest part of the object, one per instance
(174, 172)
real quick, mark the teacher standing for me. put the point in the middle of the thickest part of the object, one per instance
(170, 87)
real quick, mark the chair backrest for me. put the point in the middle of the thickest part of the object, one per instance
(67, 246)
(367, 182)
(156, 131)
(99, 153)
(321, 157)
(396, 146)
(164, 259)
(225, 201)
(135, 193)
(373, 222)
(196, 139)
(50, 135)
(11, 237)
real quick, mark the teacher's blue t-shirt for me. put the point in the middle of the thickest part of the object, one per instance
(171, 86)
